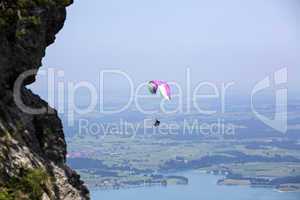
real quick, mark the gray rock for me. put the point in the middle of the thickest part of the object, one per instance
(30, 141)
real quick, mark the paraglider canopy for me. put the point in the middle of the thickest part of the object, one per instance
(161, 86)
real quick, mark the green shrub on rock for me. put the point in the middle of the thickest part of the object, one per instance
(29, 186)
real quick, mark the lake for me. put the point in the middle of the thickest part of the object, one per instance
(201, 187)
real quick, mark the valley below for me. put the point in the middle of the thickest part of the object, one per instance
(120, 162)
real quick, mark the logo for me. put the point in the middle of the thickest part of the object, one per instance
(279, 84)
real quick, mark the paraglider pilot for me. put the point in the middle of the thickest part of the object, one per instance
(156, 123)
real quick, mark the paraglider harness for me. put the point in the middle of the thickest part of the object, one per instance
(156, 123)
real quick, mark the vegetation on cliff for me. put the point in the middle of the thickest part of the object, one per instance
(25, 11)
(30, 185)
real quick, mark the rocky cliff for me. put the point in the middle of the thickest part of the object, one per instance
(32, 146)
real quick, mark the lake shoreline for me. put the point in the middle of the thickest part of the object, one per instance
(201, 185)
(180, 179)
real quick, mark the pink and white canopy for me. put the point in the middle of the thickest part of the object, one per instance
(161, 86)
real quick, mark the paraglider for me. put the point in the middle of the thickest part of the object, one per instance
(164, 90)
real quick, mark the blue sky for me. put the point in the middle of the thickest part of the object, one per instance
(221, 41)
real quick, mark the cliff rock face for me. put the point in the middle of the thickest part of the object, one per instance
(31, 145)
